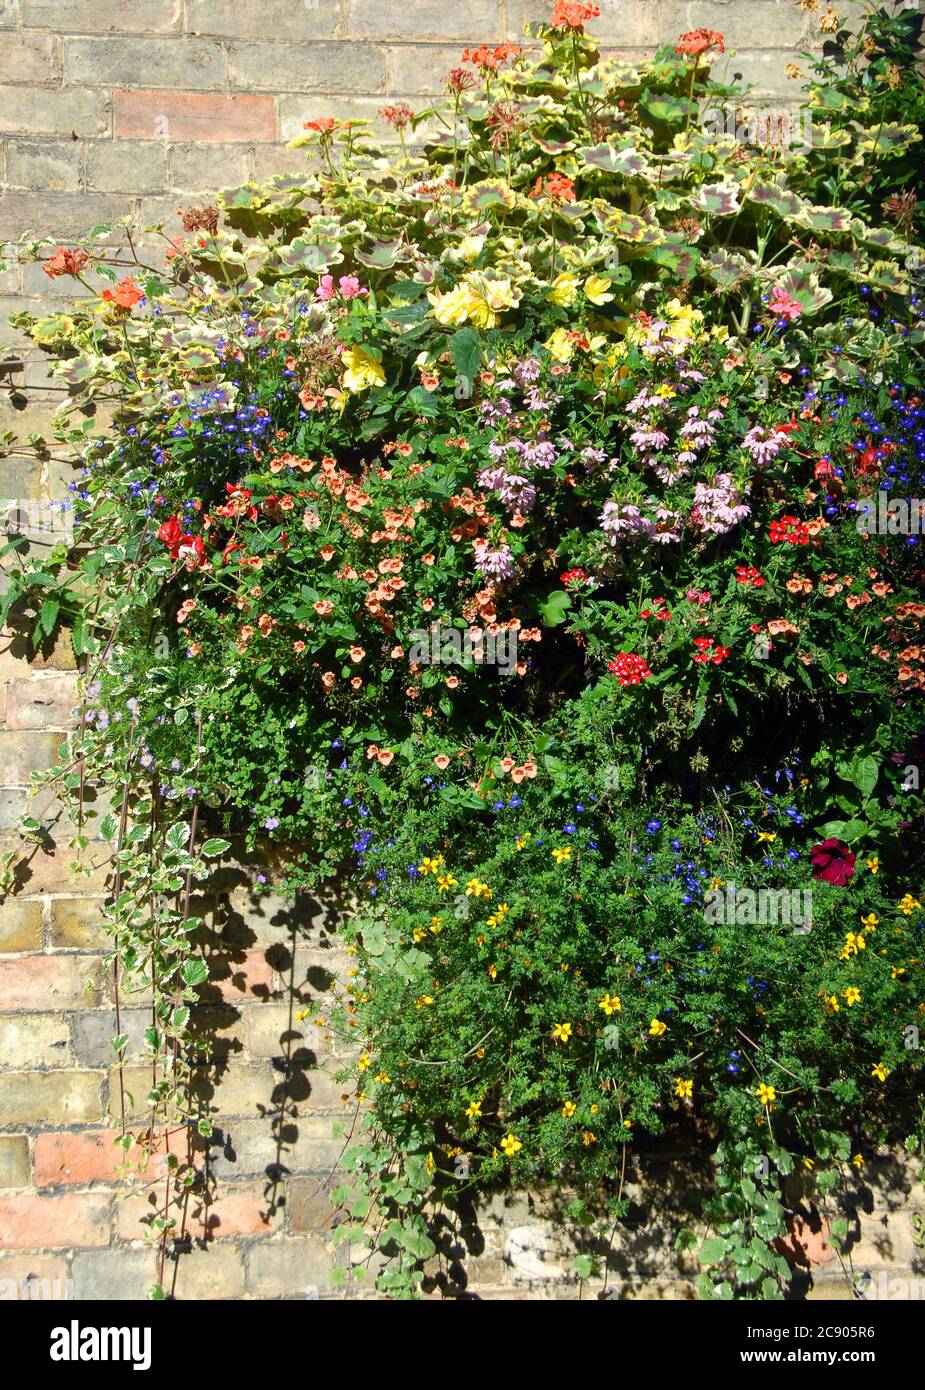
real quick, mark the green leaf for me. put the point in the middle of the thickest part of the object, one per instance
(712, 1251)
(214, 849)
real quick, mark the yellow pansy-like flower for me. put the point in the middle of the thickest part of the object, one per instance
(610, 1003)
(766, 1094)
(452, 308)
(596, 289)
(474, 1110)
(869, 923)
(879, 1071)
(564, 290)
(908, 905)
(684, 1087)
(562, 1032)
(364, 368)
(560, 346)
(851, 995)
(445, 882)
(657, 1028)
(569, 1109)
(874, 864)
(858, 1161)
(489, 298)
(511, 1145)
(470, 247)
(559, 855)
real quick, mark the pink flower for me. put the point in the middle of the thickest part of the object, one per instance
(349, 287)
(783, 306)
(326, 289)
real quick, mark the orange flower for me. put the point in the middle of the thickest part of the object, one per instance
(698, 41)
(571, 16)
(125, 295)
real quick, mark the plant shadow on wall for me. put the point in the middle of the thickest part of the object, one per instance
(530, 520)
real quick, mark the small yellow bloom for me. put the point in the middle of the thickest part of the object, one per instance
(364, 1061)
(560, 346)
(831, 1004)
(429, 866)
(522, 839)
(493, 972)
(657, 1028)
(908, 905)
(562, 1032)
(419, 934)
(851, 995)
(858, 1161)
(610, 1003)
(809, 1164)
(476, 889)
(559, 855)
(383, 1078)
(896, 971)
(879, 1071)
(683, 1087)
(474, 1110)
(569, 1109)
(445, 882)
(766, 836)
(869, 923)
(511, 1145)
(423, 1000)
(766, 1094)
(874, 864)
(588, 1138)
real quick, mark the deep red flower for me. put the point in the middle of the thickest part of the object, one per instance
(833, 862)
(629, 668)
(574, 576)
(747, 574)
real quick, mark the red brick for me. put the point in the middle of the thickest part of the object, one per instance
(54, 1223)
(239, 975)
(49, 982)
(237, 1211)
(91, 1156)
(193, 116)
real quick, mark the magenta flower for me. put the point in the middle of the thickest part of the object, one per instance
(833, 862)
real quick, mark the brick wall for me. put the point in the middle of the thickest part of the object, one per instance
(138, 106)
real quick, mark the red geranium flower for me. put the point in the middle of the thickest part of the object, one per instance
(833, 862)
(566, 16)
(556, 187)
(698, 41)
(125, 295)
(65, 262)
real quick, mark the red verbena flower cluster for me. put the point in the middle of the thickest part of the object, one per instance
(789, 529)
(629, 668)
(659, 610)
(747, 574)
(709, 651)
(574, 576)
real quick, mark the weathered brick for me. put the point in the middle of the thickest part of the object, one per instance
(103, 16)
(205, 168)
(309, 1203)
(78, 923)
(248, 1147)
(112, 1275)
(28, 1277)
(19, 476)
(238, 975)
(133, 62)
(477, 22)
(34, 1040)
(88, 1157)
(270, 160)
(20, 926)
(214, 1272)
(51, 873)
(53, 164)
(13, 655)
(757, 24)
(281, 18)
(415, 68)
(94, 1030)
(54, 1223)
(45, 700)
(270, 1030)
(286, 1268)
(192, 116)
(59, 215)
(21, 755)
(127, 166)
(289, 67)
(49, 1098)
(237, 1209)
(49, 982)
(30, 58)
(51, 111)
(14, 1160)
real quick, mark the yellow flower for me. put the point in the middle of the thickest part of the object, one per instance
(766, 1094)
(445, 882)
(610, 1003)
(493, 972)
(588, 1138)
(562, 1032)
(569, 1109)
(766, 836)
(858, 1161)
(879, 1071)
(870, 921)
(560, 346)
(851, 995)
(476, 889)
(452, 308)
(423, 1000)
(436, 925)
(511, 1145)
(717, 882)
(832, 1005)
(657, 1028)
(594, 1109)
(809, 1164)
(498, 916)
(430, 866)
(666, 392)
(471, 247)
(874, 864)
(474, 1110)
(419, 934)
(683, 1087)
(564, 290)
(596, 289)
(908, 905)
(383, 1078)
(364, 368)
(364, 1061)
(559, 855)
(522, 839)
(896, 971)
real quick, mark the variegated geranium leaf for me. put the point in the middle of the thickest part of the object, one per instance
(803, 285)
(719, 199)
(613, 161)
(775, 196)
(724, 268)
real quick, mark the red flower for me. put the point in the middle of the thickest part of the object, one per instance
(833, 862)
(572, 577)
(698, 41)
(125, 295)
(571, 16)
(65, 262)
(629, 668)
(556, 187)
(170, 533)
(325, 125)
(747, 574)
(491, 59)
(789, 529)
